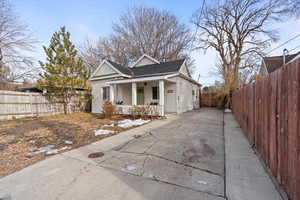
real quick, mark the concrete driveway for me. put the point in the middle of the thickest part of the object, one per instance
(181, 158)
(178, 158)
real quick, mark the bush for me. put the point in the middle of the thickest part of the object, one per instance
(108, 109)
(141, 111)
(120, 102)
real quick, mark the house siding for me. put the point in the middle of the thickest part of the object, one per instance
(179, 99)
(97, 99)
(185, 100)
(123, 92)
(170, 97)
(105, 69)
(144, 61)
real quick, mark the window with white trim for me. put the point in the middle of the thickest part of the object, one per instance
(106, 93)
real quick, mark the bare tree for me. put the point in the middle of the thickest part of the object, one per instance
(15, 40)
(143, 30)
(92, 52)
(293, 6)
(237, 30)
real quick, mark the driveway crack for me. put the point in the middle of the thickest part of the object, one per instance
(155, 179)
(176, 162)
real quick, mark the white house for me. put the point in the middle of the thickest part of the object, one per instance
(166, 87)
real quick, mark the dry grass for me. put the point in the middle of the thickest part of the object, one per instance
(19, 137)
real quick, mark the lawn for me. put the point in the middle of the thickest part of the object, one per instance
(21, 138)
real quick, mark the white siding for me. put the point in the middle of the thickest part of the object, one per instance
(105, 69)
(97, 95)
(144, 61)
(124, 93)
(148, 91)
(184, 70)
(185, 99)
(170, 97)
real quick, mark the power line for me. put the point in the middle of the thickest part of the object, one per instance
(200, 15)
(294, 48)
(298, 35)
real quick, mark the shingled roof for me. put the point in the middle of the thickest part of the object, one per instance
(152, 69)
(274, 62)
(124, 70)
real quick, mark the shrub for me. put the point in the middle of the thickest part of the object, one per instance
(140, 111)
(120, 102)
(108, 109)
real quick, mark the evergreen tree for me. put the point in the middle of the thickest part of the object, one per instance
(64, 70)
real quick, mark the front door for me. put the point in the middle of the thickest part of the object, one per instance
(140, 96)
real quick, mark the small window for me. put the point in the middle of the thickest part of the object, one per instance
(155, 93)
(106, 93)
(193, 92)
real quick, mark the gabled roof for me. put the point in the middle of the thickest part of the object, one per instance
(274, 62)
(145, 56)
(124, 70)
(156, 69)
(163, 68)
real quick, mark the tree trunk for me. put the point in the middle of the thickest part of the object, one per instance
(65, 108)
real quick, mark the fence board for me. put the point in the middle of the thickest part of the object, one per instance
(21, 104)
(269, 113)
(209, 99)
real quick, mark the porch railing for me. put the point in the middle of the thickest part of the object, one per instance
(152, 110)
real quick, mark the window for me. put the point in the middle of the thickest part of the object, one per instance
(155, 93)
(106, 93)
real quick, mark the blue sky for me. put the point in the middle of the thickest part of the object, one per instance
(93, 19)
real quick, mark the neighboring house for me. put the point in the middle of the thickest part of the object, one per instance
(271, 63)
(166, 87)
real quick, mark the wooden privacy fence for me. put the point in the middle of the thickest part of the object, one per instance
(209, 99)
(269, 113)
(21, 104)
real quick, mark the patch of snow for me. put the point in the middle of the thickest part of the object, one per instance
(129, 168)
(202, 182)
(31, 154)
(127, 123)
(227, 110)
(103, 132)
(52, 151)
(108, 125)
(63, 148)
(68, 142)
(48, 149)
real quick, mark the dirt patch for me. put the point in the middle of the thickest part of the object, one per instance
(20, 137)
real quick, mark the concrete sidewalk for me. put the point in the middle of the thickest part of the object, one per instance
(246, 179)
(181, 158)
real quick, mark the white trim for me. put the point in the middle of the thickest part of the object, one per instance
(185, 77)
(162, 96)
(134, 80)
(183, 64)
(105, 77)
(133, 94)
(147, 56)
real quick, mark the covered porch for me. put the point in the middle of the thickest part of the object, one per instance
(149, 96)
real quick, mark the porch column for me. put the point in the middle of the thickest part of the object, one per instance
(162, 96)
(133, 94)
(112, 93)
